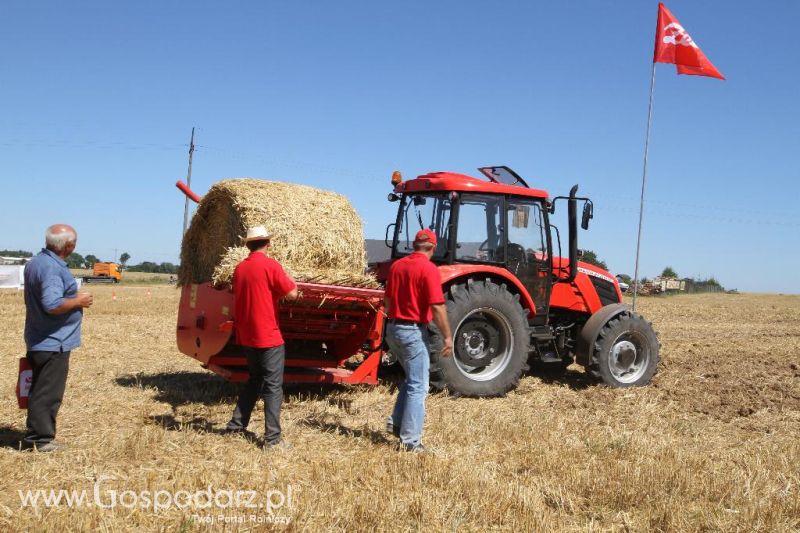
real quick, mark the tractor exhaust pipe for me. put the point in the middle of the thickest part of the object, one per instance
(572, 216)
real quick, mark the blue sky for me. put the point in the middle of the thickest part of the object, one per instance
(99, 98)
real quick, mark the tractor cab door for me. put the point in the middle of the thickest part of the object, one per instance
(527, 250)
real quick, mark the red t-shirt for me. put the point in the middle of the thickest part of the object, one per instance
(414, 284)
(258, 283)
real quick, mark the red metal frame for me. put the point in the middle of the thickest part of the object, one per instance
(347, 321)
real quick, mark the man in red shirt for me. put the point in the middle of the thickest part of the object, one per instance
(414, 296)
(259, 282)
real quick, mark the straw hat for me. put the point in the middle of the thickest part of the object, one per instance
(257, 233)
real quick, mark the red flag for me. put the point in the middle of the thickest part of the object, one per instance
(674, 45)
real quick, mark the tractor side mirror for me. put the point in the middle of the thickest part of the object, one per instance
(588, 214)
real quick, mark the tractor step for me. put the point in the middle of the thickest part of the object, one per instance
(550, 357)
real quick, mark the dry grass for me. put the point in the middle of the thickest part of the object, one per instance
(711, 445)
(317, 235)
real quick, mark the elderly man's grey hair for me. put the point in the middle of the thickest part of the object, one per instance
(58, 236)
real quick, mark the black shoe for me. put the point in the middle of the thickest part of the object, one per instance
(233, 427)
(279, 444)
(419, 448)
(238, 430)
(51, 446)
(45, 447)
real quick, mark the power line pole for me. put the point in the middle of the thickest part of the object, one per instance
(188, 184)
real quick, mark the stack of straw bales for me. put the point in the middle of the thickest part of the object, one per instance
(317, 235)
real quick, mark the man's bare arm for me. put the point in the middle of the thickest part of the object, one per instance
(441, 321)
(82, 300)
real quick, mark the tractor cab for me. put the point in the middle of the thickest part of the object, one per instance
(499, 222)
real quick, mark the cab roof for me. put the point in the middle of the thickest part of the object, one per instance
(451, 181)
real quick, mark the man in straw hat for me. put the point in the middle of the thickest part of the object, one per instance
(53, 315)
(258, 283)
(413, 297)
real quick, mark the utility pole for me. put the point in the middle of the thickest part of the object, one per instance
(188, 184)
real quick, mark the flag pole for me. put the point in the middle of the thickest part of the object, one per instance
(644, 180)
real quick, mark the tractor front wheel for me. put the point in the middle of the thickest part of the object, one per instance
(490, 341)
(625, 353)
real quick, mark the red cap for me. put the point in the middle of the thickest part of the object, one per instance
(426, 235)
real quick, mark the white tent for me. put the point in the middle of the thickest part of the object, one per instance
(11, 276)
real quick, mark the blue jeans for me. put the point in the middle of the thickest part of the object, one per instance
(408, 343)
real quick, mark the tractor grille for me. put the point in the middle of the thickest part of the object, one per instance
(605, 290)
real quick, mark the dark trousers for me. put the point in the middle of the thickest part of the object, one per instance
(47, 390)
(266, 380)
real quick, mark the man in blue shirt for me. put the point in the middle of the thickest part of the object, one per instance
(54, 310)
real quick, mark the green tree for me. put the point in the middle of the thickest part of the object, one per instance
(625, 278)
(591, 258)
(75, 260)
(124, 258)
(668, 272)
(91, 260)
(167, 268)
(15, 253)
(149, 266)
(144, 266)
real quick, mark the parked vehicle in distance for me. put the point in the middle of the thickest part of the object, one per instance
(104, 273)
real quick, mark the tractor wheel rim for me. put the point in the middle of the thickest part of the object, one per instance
(628, 357)
(473, 342)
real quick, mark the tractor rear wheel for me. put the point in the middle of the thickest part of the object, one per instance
(625, 353)
(490, 341)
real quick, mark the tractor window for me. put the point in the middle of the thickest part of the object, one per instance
(480, 230)
(526, 233)
(423, 211)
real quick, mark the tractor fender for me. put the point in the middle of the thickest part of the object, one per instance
(591, 330)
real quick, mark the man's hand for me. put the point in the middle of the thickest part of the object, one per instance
(440, 319)
(84, 300)
(292, 295)
(447, 350)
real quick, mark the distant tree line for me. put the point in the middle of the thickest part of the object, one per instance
(76, 260)
(15, 253)
(147, 266)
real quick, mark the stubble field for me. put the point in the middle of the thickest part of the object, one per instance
(712, 444)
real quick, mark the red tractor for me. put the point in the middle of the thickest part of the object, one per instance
(512, 302)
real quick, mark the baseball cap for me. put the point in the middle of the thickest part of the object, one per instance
(426, 235)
